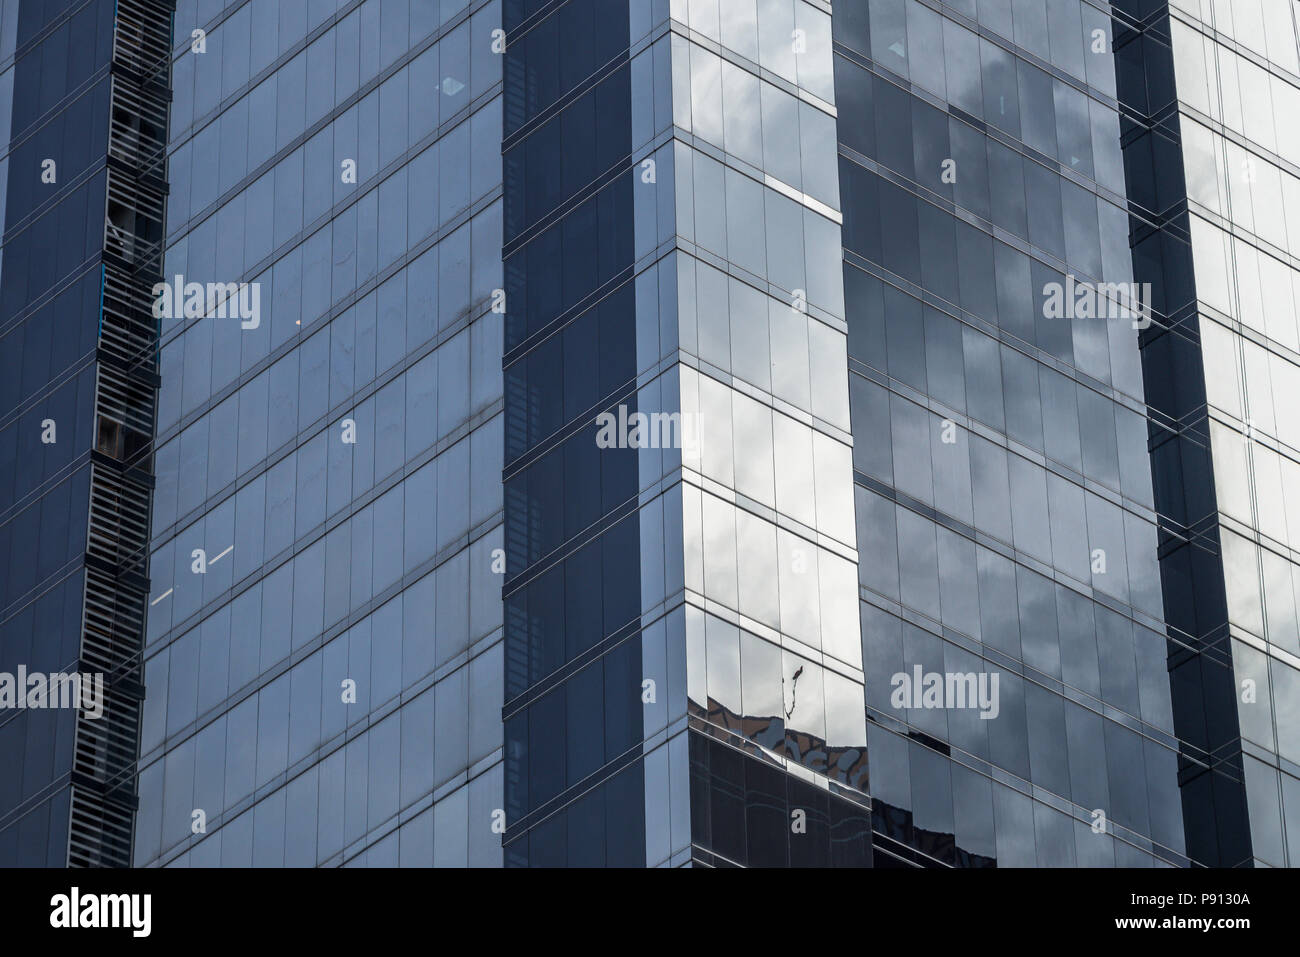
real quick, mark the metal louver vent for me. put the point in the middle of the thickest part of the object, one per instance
(117, 549)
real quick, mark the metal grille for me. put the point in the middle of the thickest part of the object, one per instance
(142, 39)
(113, 621)
(134, 226)
(117, 550)
(138, 129)
(119, 520)
(129, 332)
(100, 836)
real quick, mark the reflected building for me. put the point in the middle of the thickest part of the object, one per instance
(683, 664)
(1005, 506)
(1213, 156)
(1091, 506)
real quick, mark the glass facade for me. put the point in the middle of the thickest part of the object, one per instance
(324, 662)
(49, 292)
(654, 432)
(1005, 508)
(83, 119)
(1233, 284)
(694, 585)
(574, 645)
(774, 665)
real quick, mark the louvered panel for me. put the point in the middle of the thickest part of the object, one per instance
(124, 400)
(117, 551)
(142, 39)
(128, 330)
(100, 833)
(119, 519)
(114, 620)
(137, 129)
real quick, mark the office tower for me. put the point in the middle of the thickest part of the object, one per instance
(1213, 156)
(653, 432)
(683, 673)
(83, 88)
(1011, 152)
(323, 659)
(1005, 504)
